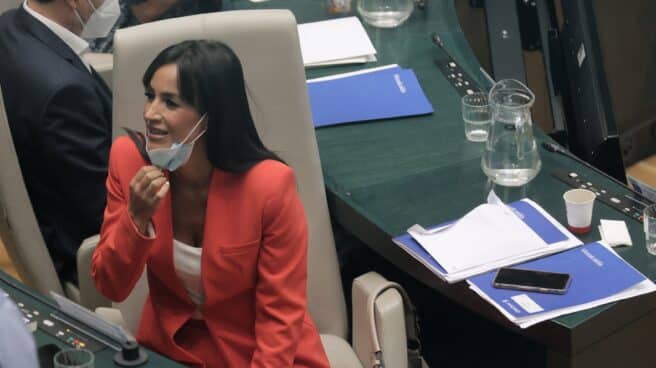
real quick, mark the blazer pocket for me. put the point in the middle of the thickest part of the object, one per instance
(239, 248)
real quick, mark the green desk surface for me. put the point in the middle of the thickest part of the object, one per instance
(104, 358)
(386, 175)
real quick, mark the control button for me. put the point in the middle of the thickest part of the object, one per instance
(20, 305)
(589, 183)
(452, 64)
(573, 175)
(469, 92)
(466, 83)
(626, 210)
(82, 344)
(60, 333)
(603, 191)
(36, 313)
(29, 316)
(48, 322)
(460, 75)
(614, 200)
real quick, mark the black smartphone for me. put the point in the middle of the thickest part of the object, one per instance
(531, 280)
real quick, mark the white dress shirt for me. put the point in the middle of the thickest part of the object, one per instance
(75, 42)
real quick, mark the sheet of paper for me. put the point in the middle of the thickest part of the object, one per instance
(615, 232)
(91, 319)
(350, 74)
(487, 234)
(334, 40)
(355, 60)
(644, 287)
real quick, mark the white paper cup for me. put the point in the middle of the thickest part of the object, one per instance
(578, 206)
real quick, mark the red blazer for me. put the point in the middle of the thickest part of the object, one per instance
(253, 266)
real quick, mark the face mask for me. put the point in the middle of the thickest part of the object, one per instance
(101, 21)
(175, 156)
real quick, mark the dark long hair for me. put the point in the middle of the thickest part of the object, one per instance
(210, 79)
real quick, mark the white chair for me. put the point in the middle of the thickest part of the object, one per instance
(9, 4)
(103, 63)
(267, 43)
(21, 235)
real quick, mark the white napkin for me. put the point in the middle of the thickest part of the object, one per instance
(615, 233)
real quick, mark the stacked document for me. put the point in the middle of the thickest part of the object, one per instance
(370, 94)
(598, 276)
(490, 236)
(334, 42)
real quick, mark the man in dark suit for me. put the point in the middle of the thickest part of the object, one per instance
(59, 112)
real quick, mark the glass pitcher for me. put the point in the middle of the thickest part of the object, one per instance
(385, 13)
(511, 156)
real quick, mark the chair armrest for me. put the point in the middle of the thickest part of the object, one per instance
(90, 297)
(388, 322)
(339, 352)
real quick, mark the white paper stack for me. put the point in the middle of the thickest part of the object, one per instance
(490, 236)
(334, 42)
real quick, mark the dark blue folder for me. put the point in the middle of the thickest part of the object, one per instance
(596, 273)
(382, 94)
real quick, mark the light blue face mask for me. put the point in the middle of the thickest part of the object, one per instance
(175, 156)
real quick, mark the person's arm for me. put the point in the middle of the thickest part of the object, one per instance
(280, 293)
(75, 137)
(124, 247)
(17, 348)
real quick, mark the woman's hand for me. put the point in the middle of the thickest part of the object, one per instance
(147, 189)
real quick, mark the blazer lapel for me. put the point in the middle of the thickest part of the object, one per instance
(211, 210)
(105, 97)
(43, 34)
(101, 82)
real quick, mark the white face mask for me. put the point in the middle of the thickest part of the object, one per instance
(175, 156)
(101, 21)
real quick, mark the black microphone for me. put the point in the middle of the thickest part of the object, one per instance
(551, 147)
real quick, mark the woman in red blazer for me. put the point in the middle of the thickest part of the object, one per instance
(213, 190)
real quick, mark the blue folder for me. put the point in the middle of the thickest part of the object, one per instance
(382, 94)
(596, 273)
(531, 216)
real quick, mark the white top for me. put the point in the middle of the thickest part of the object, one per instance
(75, 42)
(186, 260)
